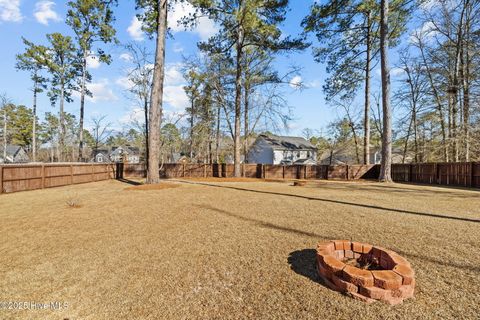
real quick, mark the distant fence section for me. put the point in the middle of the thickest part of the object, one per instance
(14, 178)
(259, 171)
(448, 174)
(466, 174)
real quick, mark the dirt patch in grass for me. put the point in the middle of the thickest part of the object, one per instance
(149, 187)
(232, 250)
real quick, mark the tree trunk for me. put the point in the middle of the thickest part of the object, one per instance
(466, 114)
(405, 146)
(456, 83)
(34, 122)
(4, 134)
(156, 98)
(438, 102)
(192, 123)
(238, 104)
(386, 164)
(82, 104)
(245, 121)
(217, 135)
(145, 110)
(61, 119)
(413, 95)
(366, 121)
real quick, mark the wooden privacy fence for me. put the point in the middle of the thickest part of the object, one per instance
(259, 171)
(15, 178)
(464, 174)
(449, 174)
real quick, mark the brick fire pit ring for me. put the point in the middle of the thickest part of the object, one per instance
(365, 272)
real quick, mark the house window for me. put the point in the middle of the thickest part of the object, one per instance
(99, 158)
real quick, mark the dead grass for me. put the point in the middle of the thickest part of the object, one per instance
(150, 187)
(232, 250)
(221, 180)
(73, 202)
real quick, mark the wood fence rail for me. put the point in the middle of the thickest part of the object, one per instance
(448, 174)
(259, 171)
(14, 178)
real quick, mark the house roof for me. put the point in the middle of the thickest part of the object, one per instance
(288, 143)
(12, 150)
(126, 149)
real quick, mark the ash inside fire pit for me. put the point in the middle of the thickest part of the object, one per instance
(365, 262)
(365, 272)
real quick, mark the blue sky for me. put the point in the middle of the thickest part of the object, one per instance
(34, 19)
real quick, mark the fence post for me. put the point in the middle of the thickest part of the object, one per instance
(43, 176)
(348, 172)
(243, 170)
(1, 179)
(471, 175)
(71, 174)
(265, 171)
(204, 170)
(93, 172)
(283, 172)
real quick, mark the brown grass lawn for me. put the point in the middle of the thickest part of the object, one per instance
(236, 250)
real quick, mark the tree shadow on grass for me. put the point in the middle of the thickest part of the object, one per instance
(302, 257)
(348, 203)
(130, 182)
(303, 262)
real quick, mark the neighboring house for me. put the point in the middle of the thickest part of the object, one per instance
(346, 155)
(272, 149)
(397, 156)
(101, 156)
(15, 154)
(125, 154)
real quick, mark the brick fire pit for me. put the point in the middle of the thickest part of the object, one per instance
(365, 272)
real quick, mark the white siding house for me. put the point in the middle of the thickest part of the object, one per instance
(14, 154)
(126, 154)
(272, 149)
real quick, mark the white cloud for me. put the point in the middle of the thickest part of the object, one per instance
(177, 47)
(125, 83)
(205, 27)
(134, 115)
(313, 84)
(173, 93)
(135, 29)
(176, 97)
(426, 32)
(92, 61)
(127, 57)
(44, 12)
(100, 90)
(429, 4)
(10, 11)
(296, 82)
(397, 71)
(173, 74)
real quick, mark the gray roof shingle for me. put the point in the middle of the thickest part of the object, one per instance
(288, 143)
